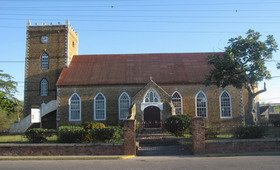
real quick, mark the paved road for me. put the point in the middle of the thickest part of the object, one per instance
(153, 163)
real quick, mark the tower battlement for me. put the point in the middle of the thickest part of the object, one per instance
(50, 26)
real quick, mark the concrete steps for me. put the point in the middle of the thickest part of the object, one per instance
(156, 142)
(22, 126)
(25, 123)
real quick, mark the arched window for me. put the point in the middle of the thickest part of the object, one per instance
(177, 102)
(225, 105)
(75, 107)
(99, 107)
(151, 96)
(45, 61)
(201, 104)
(124, 104)
(44, 87)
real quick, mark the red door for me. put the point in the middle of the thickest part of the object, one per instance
(152, 117)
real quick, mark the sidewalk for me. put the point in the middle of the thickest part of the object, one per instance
(115, 157)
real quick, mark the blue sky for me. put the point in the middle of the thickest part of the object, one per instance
(140, 26)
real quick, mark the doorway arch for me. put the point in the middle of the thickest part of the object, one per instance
(152, 118)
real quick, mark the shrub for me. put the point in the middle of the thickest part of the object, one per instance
(71, 134)
(88, 127)
(178, 124)
(275, 122)
(93, 125)
(102, 135)
(38, 135)
(249, 132)
(118, 134)
(98, 125)
(212, 132)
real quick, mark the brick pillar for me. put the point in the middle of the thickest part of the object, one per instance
(129, 137)
(198, 135)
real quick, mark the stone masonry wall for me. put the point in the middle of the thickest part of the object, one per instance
(242, 146)
(127, 148)
(203, 146)
(87, 95)
(57, 50)
(112, 93)
(198, 135)
(189, 92)
(60, 149)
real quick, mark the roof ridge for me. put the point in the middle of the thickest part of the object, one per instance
(149, 53)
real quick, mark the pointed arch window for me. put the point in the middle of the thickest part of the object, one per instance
(151, 96)
(75, 107)
(201, 104)
(124, 104)
(177, 102)
(99, 107)
(44, 87)
(45, 61)
(225, 105)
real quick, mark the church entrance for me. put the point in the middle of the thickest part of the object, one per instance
(152, 117)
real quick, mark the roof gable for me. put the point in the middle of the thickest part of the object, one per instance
(151, 85)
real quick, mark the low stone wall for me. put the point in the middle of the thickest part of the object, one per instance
(242, 145)
(127, 148)
(202, 146)
(60, 149)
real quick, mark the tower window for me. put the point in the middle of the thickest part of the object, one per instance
(45, 61)
(44, 87)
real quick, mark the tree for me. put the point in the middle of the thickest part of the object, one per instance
(7, 90)
(7, 85)
(10, 107)
(243, 65)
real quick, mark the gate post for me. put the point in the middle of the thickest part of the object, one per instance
(198, 135)
(129, 137)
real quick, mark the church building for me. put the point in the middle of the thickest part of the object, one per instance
(72, 88)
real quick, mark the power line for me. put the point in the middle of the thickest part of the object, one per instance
(157, 21)
(138, 16)
(149, 10)
(3, 26)
(12, 61)
(21, 61)
(145, 5)
(155, 31)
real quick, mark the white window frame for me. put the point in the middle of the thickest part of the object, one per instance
(181, 103)
(80, 108)
(94, 104)
(129, 101)
(155, 96)
(230, 103)
(45, 63)
(206, 105)
(44, 87)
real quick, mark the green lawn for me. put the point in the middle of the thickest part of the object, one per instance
(22, 139)
(13, 139)
(225, 136)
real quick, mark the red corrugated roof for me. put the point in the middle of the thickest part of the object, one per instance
(173, 68)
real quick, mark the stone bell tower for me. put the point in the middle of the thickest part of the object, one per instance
(49, 49)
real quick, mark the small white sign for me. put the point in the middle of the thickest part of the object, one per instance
(35, 115)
